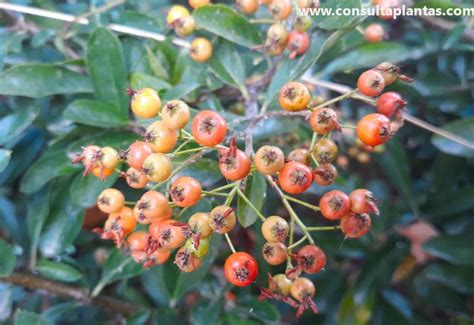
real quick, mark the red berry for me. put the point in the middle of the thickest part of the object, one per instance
(363, 201)
(295, 177)
(298, 43)
(311, 259)
(334, 204)
(355, 225)
(371, 83)
(209, 128)
(389, 103)
(240, 269)
(185, 191)
(373, 129)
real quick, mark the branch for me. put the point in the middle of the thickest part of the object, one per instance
(446, 25)
(110, 304)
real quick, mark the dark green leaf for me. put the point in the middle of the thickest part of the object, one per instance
(454, 277)
(23, 317)
(206, 312)
(448, 203)
(463, 128)
(12, 125)
(63, 223)
(57, 312)
(38, 211)
(264, 311)
(4, 158)
(452, 248)
(7, 259)
(227, 23)
(95, 113)
(53, 163)
(86, 189)
(140, 80)
(255, 191)
(9, 221)
(399, 302)
(117, 267)
(58, 271)
(40, 80)
(330, 22)
(106, 65)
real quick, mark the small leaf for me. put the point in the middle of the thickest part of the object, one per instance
(106, 65)
(255, 191)
(95, 113)
(7, 259)
(140, 80)
(23, 317)
(463, 128)
(4, 158)
(452, 248)
(40, 80)
(13, 124)
(117, 267)
(86, 189)
(58, 271)
(227, 23)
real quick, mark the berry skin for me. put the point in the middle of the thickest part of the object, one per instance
(234, 165)
(186, 261)
(294, 96)
(374, 33)
(160, 137)
(302, 288)
(247, 7)
(137, 244)
(323, 121)
(325, 151)
(355, 225)
(109, 157)
(185, 191)
(167, 234)
(110, 200)
(363, 201)
(277, 38)
(118, 225)
(302, 23)
(295, 177)
(240, 269)
(146, 103)
(198, 3)
(200, 224)
(274, 253)
(390, 103)
(102, 173)
(373, 129)
(300, 155)
(136, 178)
(90, 156)
(281, 285)
(158, 167)
(158, 257)
(184, 26)
(334, 204)
(280, 9)
(201, 50)
(298, 43)
(209, 128)
(137, 153)
(222, 219)
(275, 229)
(269, 160)
(152, 206)
(176, 12)
(371, 83)
(311, 259)
(325, 174)
(175, 114)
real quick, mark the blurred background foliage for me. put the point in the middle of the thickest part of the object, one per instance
(63, 87)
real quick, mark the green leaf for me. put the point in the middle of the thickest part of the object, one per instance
(330, 22)
(23, 317)
(13, 124)
(117, 267)
(7, 259)
(140, 80)
(38, 211)
(4, 158)
(106, 65)
(63, 223)
(53, 163)
(454, 277)
(463, 128)
(95, 113)
(40, 80)
(395, 164)
(86, 189)
(227, 23)
(227, 65)
(452, 248)
(264, 311)
(448, 203)
(255, 191)
(58, 271)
